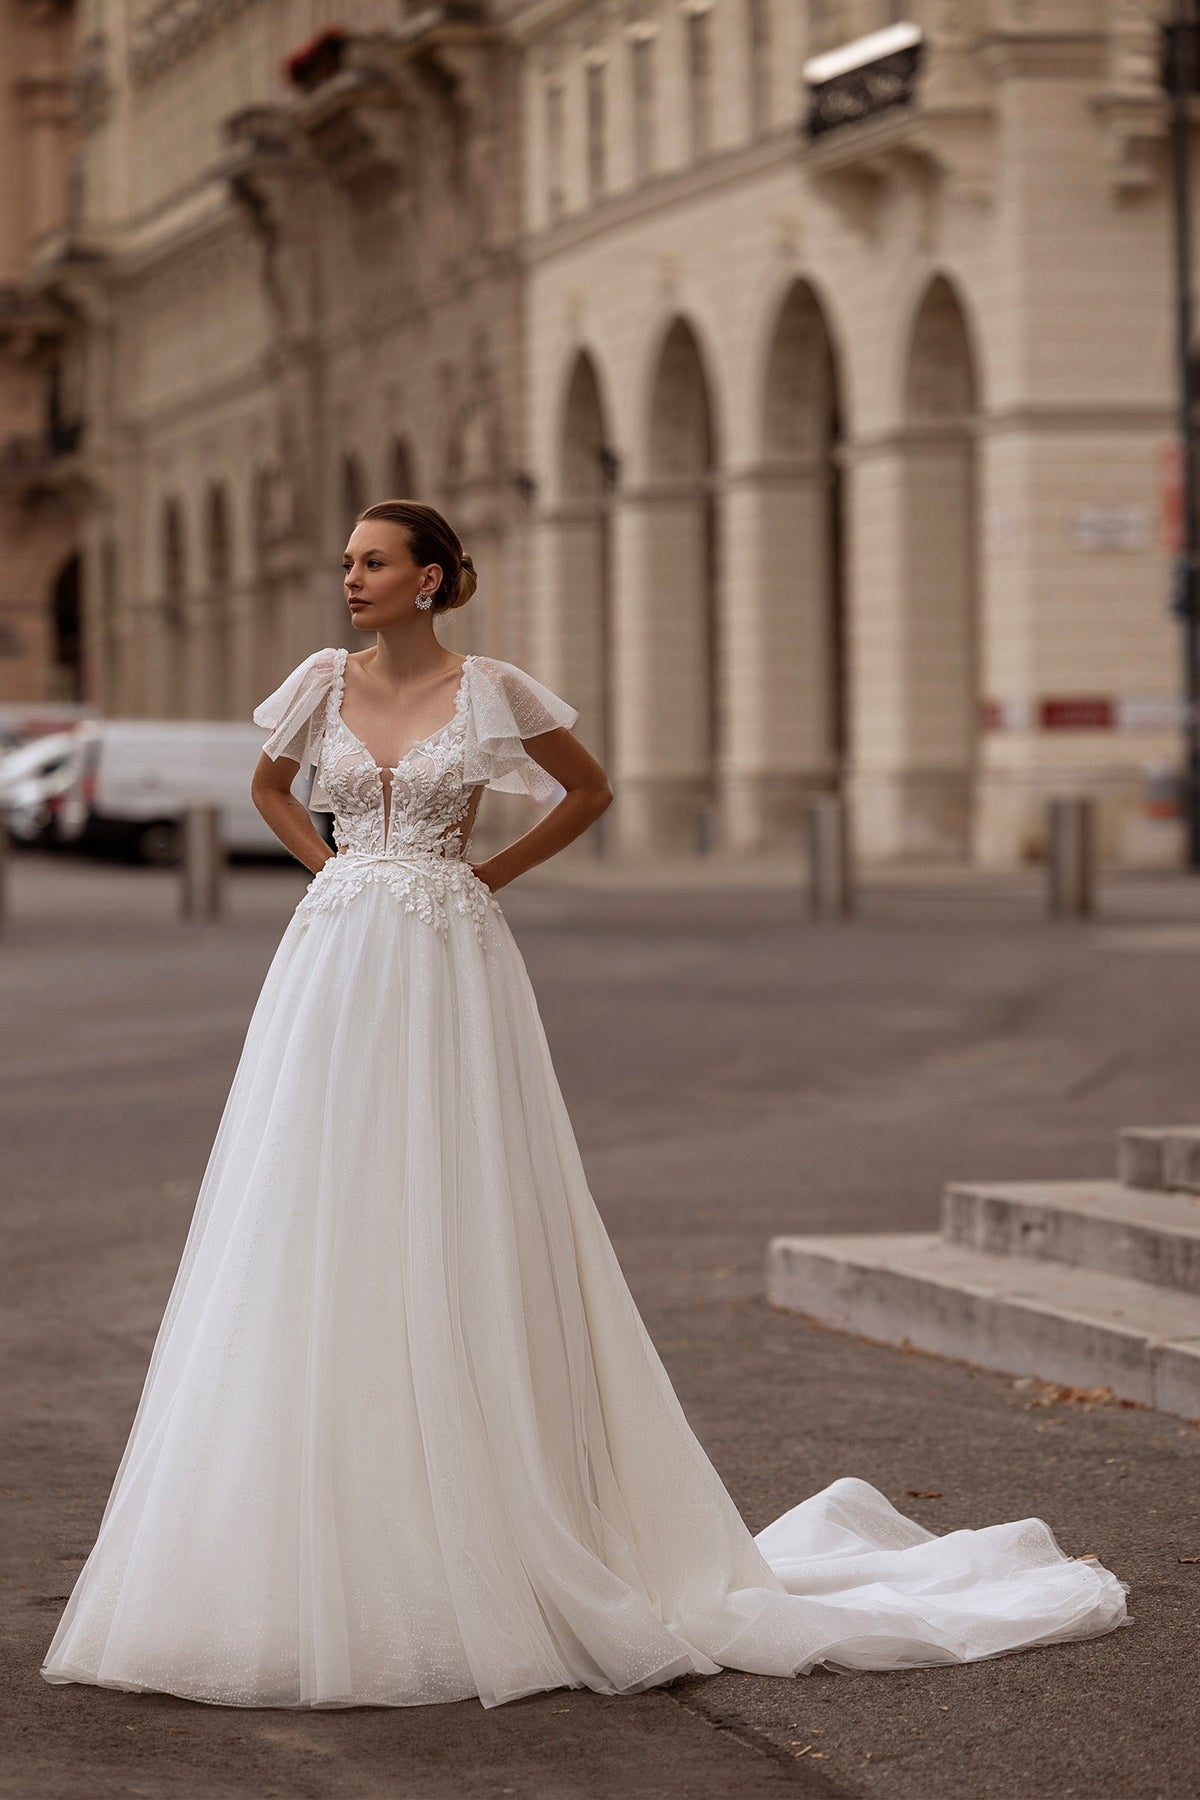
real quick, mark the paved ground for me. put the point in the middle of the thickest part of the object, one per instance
(733, 1071)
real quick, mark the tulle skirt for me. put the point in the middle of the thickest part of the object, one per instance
(404, 1437)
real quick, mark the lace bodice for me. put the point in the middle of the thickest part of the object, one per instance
(410, 826)
(422, 803)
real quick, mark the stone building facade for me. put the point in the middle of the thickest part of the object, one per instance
(41, 647)
(797, 458)
(299, 292)
(888, 407)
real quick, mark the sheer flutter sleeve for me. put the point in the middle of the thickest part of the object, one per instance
(295, 718)
(506, 706)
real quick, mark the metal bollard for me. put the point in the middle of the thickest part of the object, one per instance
(1071, 855)
(202, 862)
(706, 830)
(829, 883)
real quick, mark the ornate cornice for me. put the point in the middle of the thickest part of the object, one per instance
(1013, 53)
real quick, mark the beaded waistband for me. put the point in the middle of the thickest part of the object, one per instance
(413, 853)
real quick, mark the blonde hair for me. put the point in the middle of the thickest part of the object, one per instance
(430, 540)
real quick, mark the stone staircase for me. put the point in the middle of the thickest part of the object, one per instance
(1094, 1284)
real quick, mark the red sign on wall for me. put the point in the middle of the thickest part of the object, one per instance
(1077, 713)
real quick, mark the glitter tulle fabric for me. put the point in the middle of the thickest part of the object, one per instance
(404, 1437)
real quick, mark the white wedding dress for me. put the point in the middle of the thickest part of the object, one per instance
(404, 1437)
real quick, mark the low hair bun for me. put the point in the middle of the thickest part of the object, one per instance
(467, 582)
(431, 540)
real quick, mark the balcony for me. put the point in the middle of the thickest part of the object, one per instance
(46, 467)
(900, 99)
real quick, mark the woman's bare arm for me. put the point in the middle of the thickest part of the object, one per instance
(270, 790)
(589, 793)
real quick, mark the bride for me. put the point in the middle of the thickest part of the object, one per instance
(403, 1436)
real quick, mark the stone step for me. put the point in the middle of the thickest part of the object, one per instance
(1139, 1234)
(1014, 1314)
(1163, 1157)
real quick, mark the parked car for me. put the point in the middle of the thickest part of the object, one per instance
(35, 776)
(136, 777)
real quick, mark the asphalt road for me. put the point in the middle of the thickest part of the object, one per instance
(733, 1071)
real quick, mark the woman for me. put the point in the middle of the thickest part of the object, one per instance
(404, 1437)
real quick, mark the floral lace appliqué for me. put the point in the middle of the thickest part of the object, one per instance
(422, 887)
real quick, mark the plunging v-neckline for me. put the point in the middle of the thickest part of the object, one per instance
(421, 743)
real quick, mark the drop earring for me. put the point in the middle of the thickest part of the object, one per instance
(424, 601)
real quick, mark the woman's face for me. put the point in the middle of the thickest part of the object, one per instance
(380, 579)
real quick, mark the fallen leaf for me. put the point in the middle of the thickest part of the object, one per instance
(925, 1493)
(803, 1752)
(1188, 1559)
(1058, 1393)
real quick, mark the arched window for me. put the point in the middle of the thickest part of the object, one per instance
(173, 550)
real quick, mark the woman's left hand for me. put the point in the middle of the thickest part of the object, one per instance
(480, 871)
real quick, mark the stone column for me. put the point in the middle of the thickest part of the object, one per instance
(778, 669)
(568, 629)
(914, 686)
(661, 748)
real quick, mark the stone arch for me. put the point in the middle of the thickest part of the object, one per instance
(681, 439)
(110, 673)
(402, 470)
(585, 481)
(680, 584)
(795, 558)
(939, 639)
(173, 606)
(269, 532)
(352, 498)
(218, 554)
(940, 379)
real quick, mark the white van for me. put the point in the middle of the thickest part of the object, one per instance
(138, 775)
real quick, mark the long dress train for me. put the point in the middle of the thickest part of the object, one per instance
(404, 1437)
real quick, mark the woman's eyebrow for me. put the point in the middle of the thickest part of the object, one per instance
(345, 553)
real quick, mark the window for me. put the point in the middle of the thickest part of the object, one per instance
(699, 57)
(642, 60)
(597, 128)
(555, 198)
